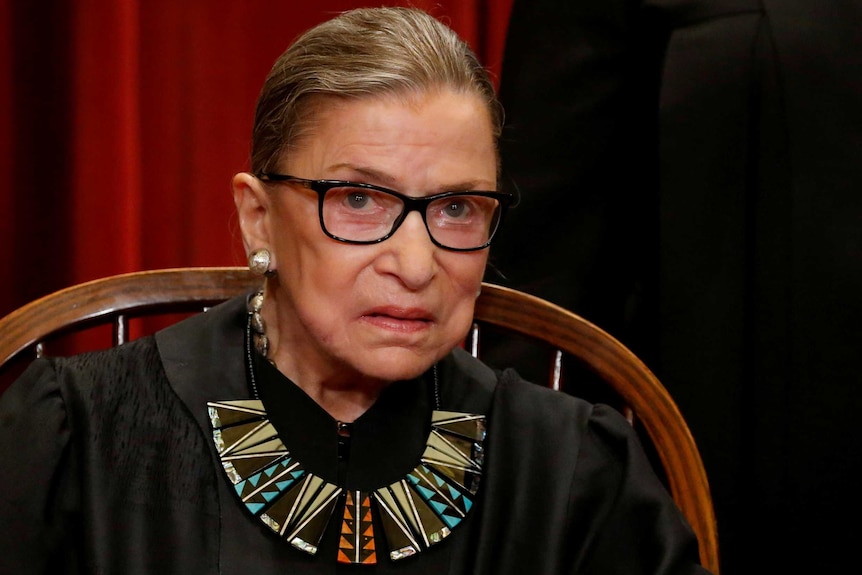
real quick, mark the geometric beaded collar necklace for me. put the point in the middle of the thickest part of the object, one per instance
(414, 513)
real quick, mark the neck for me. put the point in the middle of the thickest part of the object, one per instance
(341, 391)
(345, 406)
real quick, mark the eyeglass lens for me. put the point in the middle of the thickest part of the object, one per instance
(363, 215)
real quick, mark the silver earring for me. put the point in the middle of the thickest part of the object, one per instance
(259, 261)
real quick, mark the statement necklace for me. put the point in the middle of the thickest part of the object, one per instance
(415, 512)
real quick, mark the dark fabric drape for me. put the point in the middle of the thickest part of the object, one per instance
(123, 122)
(690, 174)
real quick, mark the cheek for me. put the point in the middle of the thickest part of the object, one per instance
(302, 247)
(293, 235)
(319, 276)
(324, 297)
(464, 272)
(329, 281)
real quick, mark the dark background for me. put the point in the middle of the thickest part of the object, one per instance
(691, 174)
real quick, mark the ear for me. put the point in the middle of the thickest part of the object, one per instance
(254, 210)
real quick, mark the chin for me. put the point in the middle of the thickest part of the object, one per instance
(396, 365)
(398, 373)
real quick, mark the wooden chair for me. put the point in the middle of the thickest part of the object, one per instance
(645, 402)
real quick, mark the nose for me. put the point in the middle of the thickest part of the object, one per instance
(409, 254)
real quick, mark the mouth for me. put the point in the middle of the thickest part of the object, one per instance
(399, 318)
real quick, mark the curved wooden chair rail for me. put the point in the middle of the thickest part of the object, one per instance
(645, 397)
(117, 298)
(114, 300)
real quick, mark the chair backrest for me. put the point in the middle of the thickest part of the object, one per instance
(645, 402)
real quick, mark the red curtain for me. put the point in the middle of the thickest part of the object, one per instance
(123, 122)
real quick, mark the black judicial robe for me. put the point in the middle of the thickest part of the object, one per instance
(108, 466)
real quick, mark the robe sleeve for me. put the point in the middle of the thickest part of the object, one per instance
(635, 526)
(37, 486)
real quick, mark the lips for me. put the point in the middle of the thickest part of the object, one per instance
(399, 318)
(395, 312)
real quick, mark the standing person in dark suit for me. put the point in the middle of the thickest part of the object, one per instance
(690, 174)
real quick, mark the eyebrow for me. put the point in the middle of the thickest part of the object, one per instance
(388, 181)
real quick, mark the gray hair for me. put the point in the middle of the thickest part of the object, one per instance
(362, 53)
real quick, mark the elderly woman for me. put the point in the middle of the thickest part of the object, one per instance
(331, 419)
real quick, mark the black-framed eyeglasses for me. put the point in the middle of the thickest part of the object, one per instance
(358, 213)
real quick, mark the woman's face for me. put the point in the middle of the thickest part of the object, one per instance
(383, 311)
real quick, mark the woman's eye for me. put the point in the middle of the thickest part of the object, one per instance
(357, 200)
(457, 209)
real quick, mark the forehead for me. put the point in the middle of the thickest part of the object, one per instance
(313, 107)
(391, 133)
